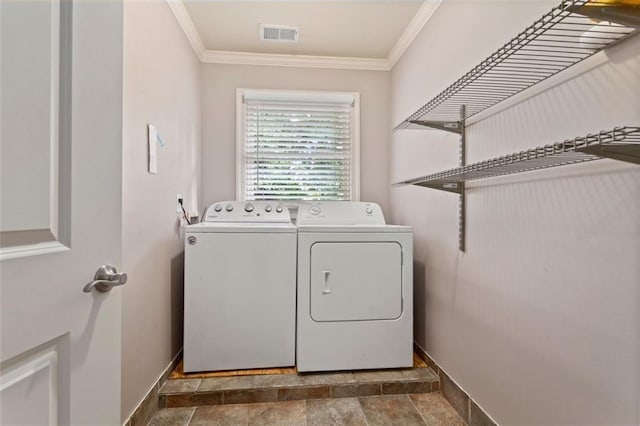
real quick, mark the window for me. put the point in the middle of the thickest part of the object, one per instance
(297, 145)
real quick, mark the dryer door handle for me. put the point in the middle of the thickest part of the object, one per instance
(326, 289)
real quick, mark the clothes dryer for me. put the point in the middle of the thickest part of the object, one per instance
(240, 288)
(355, 288)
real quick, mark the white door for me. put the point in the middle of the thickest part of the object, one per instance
(60, 146)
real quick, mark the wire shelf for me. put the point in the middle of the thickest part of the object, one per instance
(561, 38)
(620, 143)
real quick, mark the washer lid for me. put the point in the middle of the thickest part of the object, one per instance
(219, 227)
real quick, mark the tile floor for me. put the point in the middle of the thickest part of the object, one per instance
(287, 387)
(405, 410)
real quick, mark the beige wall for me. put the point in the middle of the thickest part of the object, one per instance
(538, 321)
(161, 87)
(219, 121)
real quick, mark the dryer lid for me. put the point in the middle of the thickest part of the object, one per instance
(327, 213)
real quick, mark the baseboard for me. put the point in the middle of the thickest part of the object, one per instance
(460, 400)
(149, 404)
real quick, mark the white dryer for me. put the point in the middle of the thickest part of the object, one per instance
(355, 288)
(240, 288)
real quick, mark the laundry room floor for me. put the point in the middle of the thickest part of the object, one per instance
(392, 410)
(407, 396)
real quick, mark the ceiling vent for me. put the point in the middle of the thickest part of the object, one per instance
(279, 33)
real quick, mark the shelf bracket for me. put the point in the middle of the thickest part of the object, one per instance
(447, 126)
(462, 208)
(455, 187)
(621, 152)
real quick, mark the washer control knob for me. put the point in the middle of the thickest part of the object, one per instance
(248, 207)
(315, 210)
(268, 208)
(279, 209)
(229, 208)
(368, 210)
(218, 208)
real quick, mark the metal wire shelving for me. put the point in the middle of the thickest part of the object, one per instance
(567, 34)
(564, 36)
(622, 143)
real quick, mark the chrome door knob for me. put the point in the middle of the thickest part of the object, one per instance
(105, 279)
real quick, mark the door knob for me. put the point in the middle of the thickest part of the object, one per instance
(105, 279)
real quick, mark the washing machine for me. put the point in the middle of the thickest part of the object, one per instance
(355, 288)
(240, 288)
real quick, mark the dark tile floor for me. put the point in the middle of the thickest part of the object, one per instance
(406, 410)
(177, 393)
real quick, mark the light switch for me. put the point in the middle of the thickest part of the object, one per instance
(153, 149)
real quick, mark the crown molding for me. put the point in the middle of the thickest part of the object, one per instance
(189, 29)
(423, 15)
(299, 61)
(303, 61)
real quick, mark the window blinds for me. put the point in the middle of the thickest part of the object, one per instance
(297, 150)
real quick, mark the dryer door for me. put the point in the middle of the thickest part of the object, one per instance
(356, 281)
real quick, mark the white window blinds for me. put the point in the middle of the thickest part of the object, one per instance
(298, 148)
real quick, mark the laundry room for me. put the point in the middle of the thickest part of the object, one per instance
(322, 212)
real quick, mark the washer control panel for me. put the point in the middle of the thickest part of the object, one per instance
(247, 211)
(339, 213)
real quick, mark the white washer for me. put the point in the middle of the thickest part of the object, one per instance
(355, 288)
(240, 288)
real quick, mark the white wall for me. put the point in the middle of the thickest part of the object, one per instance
(219, 121)
(161, 87)
(538, 321)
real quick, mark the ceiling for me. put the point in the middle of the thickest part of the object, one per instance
(339, 34)
(354, 29)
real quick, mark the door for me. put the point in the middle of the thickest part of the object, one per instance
(60, 147)
(356, 281)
